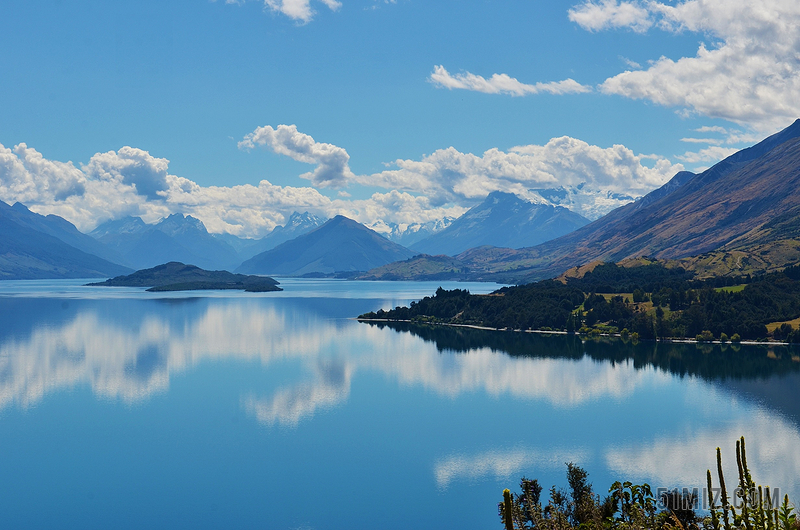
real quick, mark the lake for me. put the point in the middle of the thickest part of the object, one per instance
(126, 409)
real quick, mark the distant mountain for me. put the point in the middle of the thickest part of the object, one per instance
(125, 225)
(590, 203)
(408, 234)
(340, 244)
(174, 276)
(175, 238)
(502, 220)
(297, 225)
(30, 253)
(62, 229)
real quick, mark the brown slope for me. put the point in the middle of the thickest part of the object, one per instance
(734, 202)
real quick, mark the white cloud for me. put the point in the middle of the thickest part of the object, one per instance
(397, 207)
(56, 180)
(449, 176)
(630, 63)
(501, 84)
(332, 161)
(715, 128)
(709, 154)
(298, 10)
(442, 185)
(596, 16)
(147, 174)
(711, 141)
(747, 74)
(132, 182)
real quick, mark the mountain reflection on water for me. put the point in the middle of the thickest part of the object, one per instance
(506, 403)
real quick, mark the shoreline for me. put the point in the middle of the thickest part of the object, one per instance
(554, 332)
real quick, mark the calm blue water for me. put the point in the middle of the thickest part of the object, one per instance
(126, 409)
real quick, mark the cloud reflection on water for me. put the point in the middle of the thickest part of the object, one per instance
(132, 361)
(506, 464)
(134, 357)
(681, 459)
(291, 404)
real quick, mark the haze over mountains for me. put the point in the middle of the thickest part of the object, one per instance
(343, 247)
(745, 208)
(30, 250)
(175, 238)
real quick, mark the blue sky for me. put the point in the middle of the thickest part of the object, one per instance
(153, 102)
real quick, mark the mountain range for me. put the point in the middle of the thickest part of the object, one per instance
(740, 216)
(175, 238)
(750, 198)
(505, 220)
(408, 235)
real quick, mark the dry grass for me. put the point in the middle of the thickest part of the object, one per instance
(772, 326)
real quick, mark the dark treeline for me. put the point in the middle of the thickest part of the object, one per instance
(546, 304)
(663, 302)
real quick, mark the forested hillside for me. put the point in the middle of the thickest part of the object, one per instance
(650, 300)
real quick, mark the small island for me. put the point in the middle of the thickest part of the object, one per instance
(176, 276)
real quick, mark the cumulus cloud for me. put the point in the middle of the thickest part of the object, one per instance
(449, 176)
(586, 178)
(133, 167)
(103, 189)
(501, 84)
(446, 182)
(132, 182)
(56, 180)
(332, 161)
(747, 74)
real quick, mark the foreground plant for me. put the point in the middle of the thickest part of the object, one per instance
(631, 506)
(751, 507)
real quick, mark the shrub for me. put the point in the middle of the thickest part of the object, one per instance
(705, 336)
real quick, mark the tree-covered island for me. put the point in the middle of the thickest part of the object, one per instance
(647, 299)
(175, 276)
